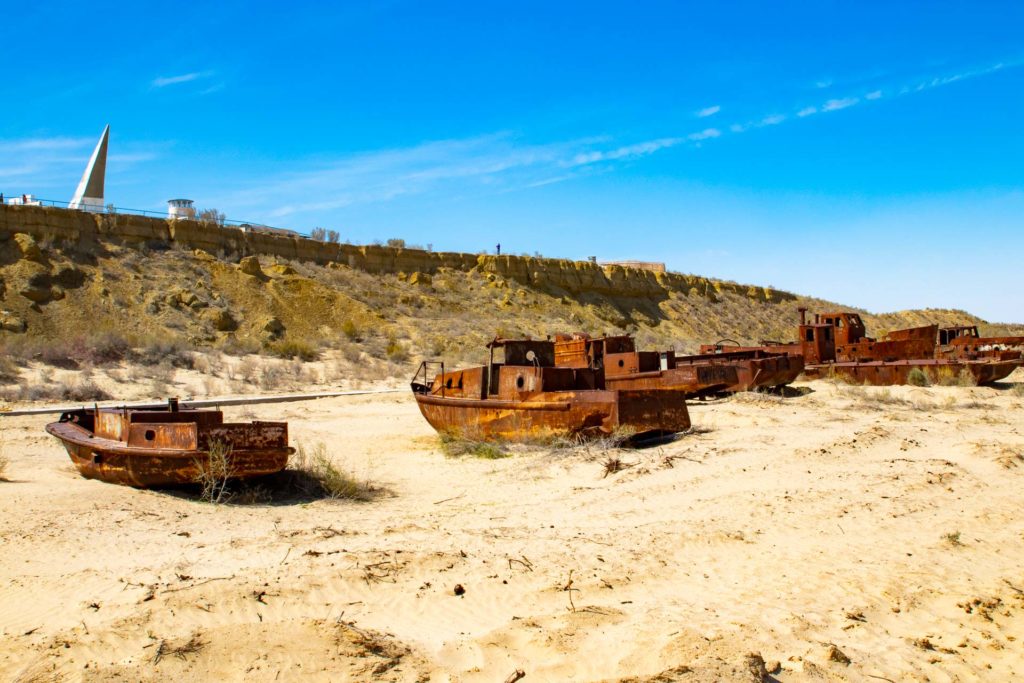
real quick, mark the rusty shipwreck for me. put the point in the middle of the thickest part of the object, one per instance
(166, 445)
(525, 396)
(836, 345)
(698, 375)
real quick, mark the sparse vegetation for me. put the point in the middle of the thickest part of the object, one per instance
(918, 378)
(323, 478)
(4, 461)
(293, 348)
(952, 538)
(455, 446)
(214, 472)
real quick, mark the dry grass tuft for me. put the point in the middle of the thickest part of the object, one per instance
(953, 538)
(192, 646)
(324, 478)
(215, 470)
(455, 446)
(4, 461)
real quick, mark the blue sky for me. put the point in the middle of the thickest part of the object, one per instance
(869, 153)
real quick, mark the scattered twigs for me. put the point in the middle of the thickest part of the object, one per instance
(379, 572)
(445, 500)
(524, 562)
(515, 676)
(328, 531)
(567, 588)
(185, 588)
(194, 645)
(613, 464)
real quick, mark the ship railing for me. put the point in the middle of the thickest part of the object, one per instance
(424, 387)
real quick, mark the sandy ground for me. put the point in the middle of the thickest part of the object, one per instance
(846, 534)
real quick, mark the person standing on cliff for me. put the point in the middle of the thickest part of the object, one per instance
(499, 249)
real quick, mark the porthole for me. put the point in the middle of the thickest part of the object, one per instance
(622, 363)
(150, 435)
(519, 382)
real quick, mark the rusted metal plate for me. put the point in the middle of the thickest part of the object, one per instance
(152, 448)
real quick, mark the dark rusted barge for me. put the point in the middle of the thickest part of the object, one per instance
(166, 445)
(835, 345)
(626, 368)
(755, 369)
(526, 397)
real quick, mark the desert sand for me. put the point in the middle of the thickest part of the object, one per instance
(841, 533)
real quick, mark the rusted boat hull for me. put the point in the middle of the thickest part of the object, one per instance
(690, 380)
(553, 414)
(754, 369)
(888, 373)
(165, 448)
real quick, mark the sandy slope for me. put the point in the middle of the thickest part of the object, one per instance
(797, 528)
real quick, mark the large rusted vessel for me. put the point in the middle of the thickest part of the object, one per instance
(166, 445)
(526, 397)
(835, 345)
(626, 368)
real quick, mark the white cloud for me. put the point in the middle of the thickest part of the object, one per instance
(807, 111)
(843, 103)
(165, 81)
(705, 134)
(772, 120)
(874, 95)
(709, 111)
(626, 152)
(824, 83)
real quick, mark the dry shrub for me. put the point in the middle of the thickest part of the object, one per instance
(4, 460)
(293, 348)
(83, 390)
(323, 478)
(918, 378)
(349, 329)
(9, 371)
(946, 377)
(214, 471)
(455, 445)
(170, 351)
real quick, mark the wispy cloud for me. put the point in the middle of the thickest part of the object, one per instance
(164, 81)
(51, 166)
(843, 103)
(496, 163)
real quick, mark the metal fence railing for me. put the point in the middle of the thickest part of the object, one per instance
(32, 200)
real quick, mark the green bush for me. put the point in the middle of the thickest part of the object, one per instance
(918, 378)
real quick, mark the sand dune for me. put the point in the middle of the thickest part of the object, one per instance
(843, 534)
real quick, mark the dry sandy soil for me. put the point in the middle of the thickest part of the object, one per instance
(846, 533)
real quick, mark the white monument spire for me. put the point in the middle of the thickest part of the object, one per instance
(89, 195)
